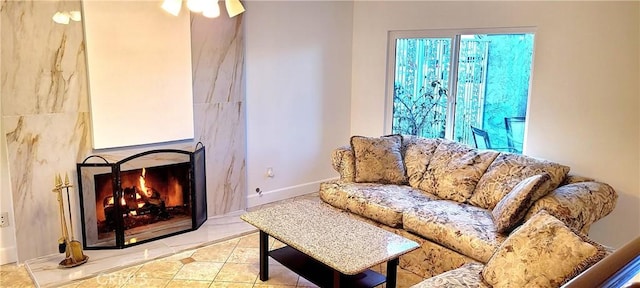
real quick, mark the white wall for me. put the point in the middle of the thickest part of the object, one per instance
(584, 102)
(298, 86)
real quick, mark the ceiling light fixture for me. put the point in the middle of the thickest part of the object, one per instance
(75, 15)
(234, 7)
(209, 8)
(63, 17)
(172, 6)
(196, 5)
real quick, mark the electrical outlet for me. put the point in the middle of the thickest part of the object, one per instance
(4, 219)
(270, 172)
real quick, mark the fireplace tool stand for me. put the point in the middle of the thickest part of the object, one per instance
(71, 247)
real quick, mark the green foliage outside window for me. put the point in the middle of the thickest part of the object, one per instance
(421, 114)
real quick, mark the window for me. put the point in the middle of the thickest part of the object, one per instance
(448, 84)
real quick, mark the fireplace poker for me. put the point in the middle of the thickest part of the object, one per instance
(66, 187)
(62, 241)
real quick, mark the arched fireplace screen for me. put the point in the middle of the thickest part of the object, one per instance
(147, 196)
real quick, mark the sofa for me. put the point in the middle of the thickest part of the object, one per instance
(462, 204)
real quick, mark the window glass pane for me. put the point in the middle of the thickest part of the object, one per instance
(493, 86)
(420, 86)
(489, 100)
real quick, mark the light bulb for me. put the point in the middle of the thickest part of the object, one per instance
(61, 17)
(75, 15)
(234, 7)
(195, 5)
(211, 9)
(172, 6)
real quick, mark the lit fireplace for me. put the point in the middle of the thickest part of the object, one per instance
(144, 197)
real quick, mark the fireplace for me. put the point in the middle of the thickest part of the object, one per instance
(144, 197)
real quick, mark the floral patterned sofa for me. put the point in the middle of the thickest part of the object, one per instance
(459, 203)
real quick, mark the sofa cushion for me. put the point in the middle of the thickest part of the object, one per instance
(543, 252)
(417, 156)
(379, 159)
(506, 171)
(461, 227)
(454, 170)
(512, 208)
(383, 203)
(430, 259)
(466, 276)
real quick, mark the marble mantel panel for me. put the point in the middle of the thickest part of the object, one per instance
(43, 63)
(217, 47)
(221, 128)
(39, 147)
(45, 114)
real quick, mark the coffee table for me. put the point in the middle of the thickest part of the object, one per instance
(326, 246)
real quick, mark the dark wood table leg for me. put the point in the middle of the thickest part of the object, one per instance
(392, 273)
(336, 279)
(264, 256)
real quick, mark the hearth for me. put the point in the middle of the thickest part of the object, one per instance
(144, 197)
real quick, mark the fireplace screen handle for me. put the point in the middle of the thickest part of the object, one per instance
(98, 156)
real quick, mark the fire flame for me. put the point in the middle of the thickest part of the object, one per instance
(122, 202)
(143, 185)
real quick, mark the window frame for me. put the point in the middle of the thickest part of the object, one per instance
(455, 35)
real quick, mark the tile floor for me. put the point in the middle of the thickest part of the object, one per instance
(231, 263)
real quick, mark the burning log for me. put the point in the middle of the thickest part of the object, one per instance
(144, 203)
(135, 202)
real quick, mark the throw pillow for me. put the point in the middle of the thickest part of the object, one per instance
(417, 156)
(512, 208)
(571, 179)
(454, 170)
(577, 204)
(379, 160)
(543, 252)
(506, 171)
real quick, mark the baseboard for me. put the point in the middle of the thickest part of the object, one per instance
(284, 193)
(8, 255)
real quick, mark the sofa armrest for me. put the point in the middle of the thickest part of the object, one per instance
(343, 161)
(578, 204)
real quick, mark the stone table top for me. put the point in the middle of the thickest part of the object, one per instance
(329, 235)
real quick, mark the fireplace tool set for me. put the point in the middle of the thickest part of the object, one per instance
(72, 248)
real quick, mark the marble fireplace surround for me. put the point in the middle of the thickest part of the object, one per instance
(46, 119)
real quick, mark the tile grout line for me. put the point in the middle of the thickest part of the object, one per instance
(227, 259)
